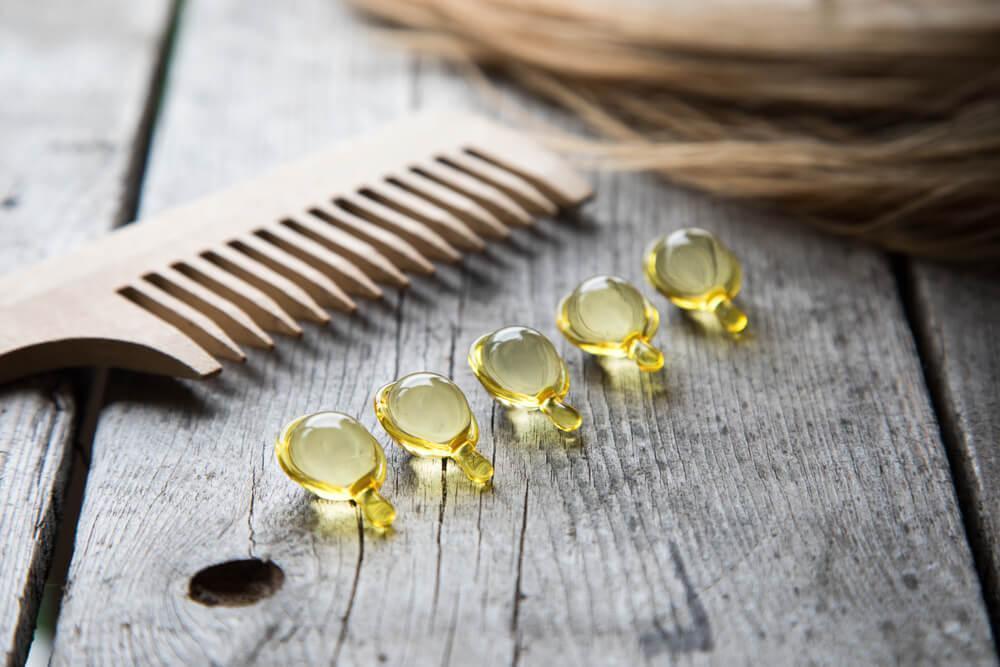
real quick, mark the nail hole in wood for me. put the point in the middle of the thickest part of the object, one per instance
(236, 583)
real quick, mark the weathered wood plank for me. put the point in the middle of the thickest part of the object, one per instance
(958, 315)
(74, 82)
(785, 498)
(193, 502)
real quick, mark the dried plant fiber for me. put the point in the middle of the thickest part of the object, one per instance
(874, 119)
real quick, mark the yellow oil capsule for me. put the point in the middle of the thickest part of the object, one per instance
(608, 316)
(428, 415)
(333, 456)
(520, 367)
(696, 272)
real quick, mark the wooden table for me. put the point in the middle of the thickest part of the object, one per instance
(824, 492)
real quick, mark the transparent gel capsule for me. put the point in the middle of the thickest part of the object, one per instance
(428, 415)
(608, 316)
(696, 272)
(333, 456)
(520, 367)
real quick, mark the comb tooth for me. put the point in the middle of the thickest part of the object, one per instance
(186, 319)
(543, 170)
(169, 352)
(493, 200)
(362, 254)
(463, 208)
(289, 295)
(318, 286)
(262, 308)
(516, 188)
(320, 257)
(231, 319)
(392, 246)
(422, 237)
(408, 205)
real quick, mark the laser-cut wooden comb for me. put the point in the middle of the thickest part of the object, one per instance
(171, 293)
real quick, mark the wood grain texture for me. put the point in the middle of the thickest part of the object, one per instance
(783, 499)
(958, 314)
(74, 86)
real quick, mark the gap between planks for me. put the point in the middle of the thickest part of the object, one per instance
(936, 385)
(90, 392)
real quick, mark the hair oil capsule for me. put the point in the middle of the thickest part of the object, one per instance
(334, 457)
(520, 367)
(608, 316)
(428, 415)
(695, 271)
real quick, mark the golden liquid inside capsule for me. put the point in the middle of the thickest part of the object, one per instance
(696, 272)
(333, 456)
(608, 316)
(428, 415)
(520, 367)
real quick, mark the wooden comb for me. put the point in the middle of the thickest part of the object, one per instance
(176, 291)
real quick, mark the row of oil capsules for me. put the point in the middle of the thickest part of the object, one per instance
(335, 457)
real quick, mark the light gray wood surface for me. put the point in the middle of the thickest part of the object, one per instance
(74, 88)
(784, 499)
(958, 314)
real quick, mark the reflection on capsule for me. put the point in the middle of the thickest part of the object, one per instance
(608, 316)
(334, 457)
(521, 368)
(696, 272)
(428, 415)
